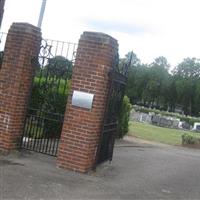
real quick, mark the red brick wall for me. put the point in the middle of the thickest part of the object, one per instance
(82, 127)
(2, 2)
(16, 74)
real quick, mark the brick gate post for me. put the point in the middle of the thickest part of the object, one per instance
(16, 74)
(82, 127)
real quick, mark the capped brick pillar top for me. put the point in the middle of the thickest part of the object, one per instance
(99, 37)
(96, 55)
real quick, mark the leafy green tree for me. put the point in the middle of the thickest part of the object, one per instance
(158, 76)
(137, 80)
(134, 62)
(59, 66)
(161, 62)
(188, 68)
(152, 85)
(187, 75)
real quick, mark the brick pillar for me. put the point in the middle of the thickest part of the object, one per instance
(82, 127)
(2, 3)
(16, 74)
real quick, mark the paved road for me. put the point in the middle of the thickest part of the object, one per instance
(139, 171)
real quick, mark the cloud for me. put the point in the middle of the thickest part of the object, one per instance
(148, 27)
(115, 26)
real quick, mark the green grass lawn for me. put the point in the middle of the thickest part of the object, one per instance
(157, 134)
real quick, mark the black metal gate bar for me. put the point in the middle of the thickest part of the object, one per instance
(118, 80)
(45, 113)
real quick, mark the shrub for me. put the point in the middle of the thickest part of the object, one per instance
(189, 139)
(47, 103)
(124, 117)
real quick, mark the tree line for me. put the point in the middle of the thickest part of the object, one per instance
(155, 85)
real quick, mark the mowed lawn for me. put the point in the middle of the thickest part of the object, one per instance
(157, 134)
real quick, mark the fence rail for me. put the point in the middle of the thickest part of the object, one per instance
(57, 48)
(62, 48)
(65, 49)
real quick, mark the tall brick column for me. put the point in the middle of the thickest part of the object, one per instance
(82, 127)
(16, 74)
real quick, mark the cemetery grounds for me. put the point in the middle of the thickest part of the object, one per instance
(157, 134)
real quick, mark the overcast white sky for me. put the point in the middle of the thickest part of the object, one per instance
(150, 28)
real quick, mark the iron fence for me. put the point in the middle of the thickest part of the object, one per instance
(48, 97)
(62, 48)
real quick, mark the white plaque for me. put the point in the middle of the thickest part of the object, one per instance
(82, 99)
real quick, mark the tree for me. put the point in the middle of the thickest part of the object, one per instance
(137, 81)
(187, 76)
(158, 76)
(153, 86)
(134, 62)
(162, 62)
(59, 66)
(136, 78)
(188, 68)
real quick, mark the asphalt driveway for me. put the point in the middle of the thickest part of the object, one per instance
(138, 171)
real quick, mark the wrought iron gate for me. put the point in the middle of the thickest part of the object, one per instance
(48, 97)
(118, 79)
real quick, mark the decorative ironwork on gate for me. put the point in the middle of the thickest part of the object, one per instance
(118, 79)
(48, 98)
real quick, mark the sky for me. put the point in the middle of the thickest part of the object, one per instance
(149, 28)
